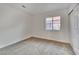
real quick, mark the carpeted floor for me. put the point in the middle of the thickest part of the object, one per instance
(35, 46)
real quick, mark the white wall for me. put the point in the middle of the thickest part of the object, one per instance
(38, 26)
(74, 23)
(14, 25)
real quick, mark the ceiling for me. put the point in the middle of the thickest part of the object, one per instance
(36, 8)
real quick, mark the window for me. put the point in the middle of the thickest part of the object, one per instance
(53, 23)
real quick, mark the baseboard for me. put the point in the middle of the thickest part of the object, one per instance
(48, 38)
(14, 42)
(33, 36)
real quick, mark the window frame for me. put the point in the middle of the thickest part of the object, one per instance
(52, 22)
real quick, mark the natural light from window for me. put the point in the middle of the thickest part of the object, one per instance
(53, 23)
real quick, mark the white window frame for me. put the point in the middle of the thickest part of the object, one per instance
(52, 24)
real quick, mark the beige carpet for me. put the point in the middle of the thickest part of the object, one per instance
(35, 46)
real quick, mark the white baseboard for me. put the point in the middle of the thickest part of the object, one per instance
(29, 36)
(20, 39)
(48, 38)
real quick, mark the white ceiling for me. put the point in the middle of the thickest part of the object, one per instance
(36, 8)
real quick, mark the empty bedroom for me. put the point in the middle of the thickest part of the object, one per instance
(39, 28)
